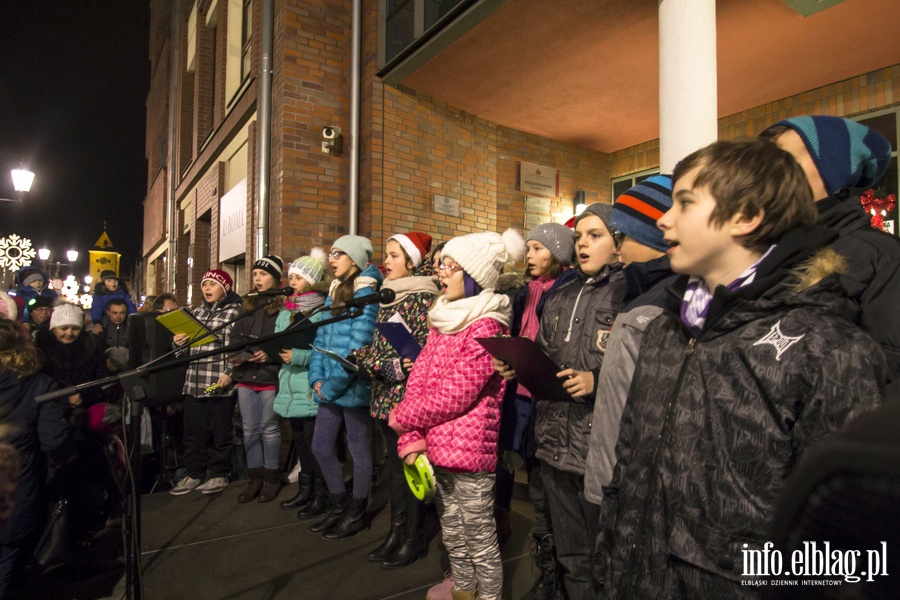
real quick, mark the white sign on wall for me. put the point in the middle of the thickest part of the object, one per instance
(537, 179)
(233, 221)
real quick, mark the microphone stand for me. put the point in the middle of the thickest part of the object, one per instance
(134, 382)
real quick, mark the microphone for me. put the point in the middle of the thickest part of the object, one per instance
(285, 291)
(382, 296)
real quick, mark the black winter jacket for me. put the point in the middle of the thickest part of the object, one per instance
(252, 326)
(714, 425)
(872, 279)
(575, 323)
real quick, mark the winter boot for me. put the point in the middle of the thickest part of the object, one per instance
(413, 547)
(504, 526)
(337, 505)
(271, 485)
(543, 551)
(318, 504)
(253, 487)
(399, 491)
(353, 520)
(303, 495)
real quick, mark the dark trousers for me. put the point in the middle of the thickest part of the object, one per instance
(575, 525)
(504, 492)
(405, 508)
(302, 432)
(208, 435)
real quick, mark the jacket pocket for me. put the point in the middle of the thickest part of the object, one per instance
(711, 549)
(603, 321)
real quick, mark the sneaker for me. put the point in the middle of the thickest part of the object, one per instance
(185, 486)
(213, 485)
(443, 590)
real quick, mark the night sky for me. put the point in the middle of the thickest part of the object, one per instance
(74, 78)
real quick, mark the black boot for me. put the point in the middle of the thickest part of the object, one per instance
(543, 551)
(271, 485)
(253, 487)
(353, 520)
(413, 547)
(393, 540)
(399, 492)
(303, 495)
(337, 505)
(318, 504)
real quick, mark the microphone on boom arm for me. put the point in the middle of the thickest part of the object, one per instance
(382, 296)
(285, 291)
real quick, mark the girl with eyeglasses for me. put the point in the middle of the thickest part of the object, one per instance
(343, 396)
(451, 409)
(405, 266)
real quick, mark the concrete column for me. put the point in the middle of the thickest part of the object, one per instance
(687, 79)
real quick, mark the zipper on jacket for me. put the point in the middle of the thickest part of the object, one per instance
(690, 347)
(555, 325)
(575, 309)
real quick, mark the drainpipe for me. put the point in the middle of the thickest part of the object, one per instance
(264, 121)
(356, 37)
(171, 255)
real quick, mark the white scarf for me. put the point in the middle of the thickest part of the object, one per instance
(409, 285)
(452, 316)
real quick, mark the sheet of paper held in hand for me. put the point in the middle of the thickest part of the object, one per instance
(534, 369)
(398, 335)
(337, 357)
(181, 321)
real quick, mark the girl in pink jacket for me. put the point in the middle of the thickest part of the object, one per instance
(451, 409)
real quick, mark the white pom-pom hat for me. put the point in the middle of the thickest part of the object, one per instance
(483, 255)
(312, 267)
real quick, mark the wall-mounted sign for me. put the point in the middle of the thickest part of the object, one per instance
(445, 205)
(233, 221)
(535, 179)
(537, 211)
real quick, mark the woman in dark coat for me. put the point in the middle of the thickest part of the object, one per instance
(40, 434)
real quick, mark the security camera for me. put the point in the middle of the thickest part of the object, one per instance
(331, 140)
(330, 133)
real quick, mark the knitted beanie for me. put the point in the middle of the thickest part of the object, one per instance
(311, 268)
(847, 154)
(67, 314)
(8, 308)
(271, 264)
(483, 255)
(636, 212)
(104, 275)
(29, 279)
(557, 238)
(358, 248)
(416, 244)
(604, 211)
(39, 302)
(220, 277)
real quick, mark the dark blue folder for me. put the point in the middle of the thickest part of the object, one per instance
(401, 339)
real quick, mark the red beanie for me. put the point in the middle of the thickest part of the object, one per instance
(220, 277)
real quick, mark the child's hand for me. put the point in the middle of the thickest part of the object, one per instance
(224, 381)
(286, 355)
(97, 329)
(180, 339)
(577, 383)
(506, 372)
(406, 364)
(317, 387)
(74, 400)
(259, 357)
(410, 459)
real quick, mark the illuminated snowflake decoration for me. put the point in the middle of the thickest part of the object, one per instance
(15, 252)
(86, 301)
(70, 289)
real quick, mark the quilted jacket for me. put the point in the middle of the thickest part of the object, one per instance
(452, 404)
(713, 425)
(338, 384)
(295, 398)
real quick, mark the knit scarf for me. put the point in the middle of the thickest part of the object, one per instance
(452, 316)
(698, 296)
(530, 321)
(304, 303)
(405, 286)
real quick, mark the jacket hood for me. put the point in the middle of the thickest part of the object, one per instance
(26, 271)
(642, 277)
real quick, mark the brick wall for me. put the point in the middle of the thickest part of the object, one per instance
(858, 95)
(155, 213)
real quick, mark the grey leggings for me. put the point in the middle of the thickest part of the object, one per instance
(359, 438)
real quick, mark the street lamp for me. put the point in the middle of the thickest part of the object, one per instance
(72, 255)
(22, 180)
(44, 254)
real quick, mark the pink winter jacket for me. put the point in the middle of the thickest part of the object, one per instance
(451, 409)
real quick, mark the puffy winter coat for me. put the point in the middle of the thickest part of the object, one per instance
(452, 402)
(575, 324)
(645, 300)
(872, 279)
(294, 399)
(714, 424)
(71, 364)
(102, 297)
(27, 292)
(338, 384)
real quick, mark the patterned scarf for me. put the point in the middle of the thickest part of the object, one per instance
(698, 297)
(304, 302)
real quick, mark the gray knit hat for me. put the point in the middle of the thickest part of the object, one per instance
(557, 238)
(36, 276)
(358, 248)
(604, 211)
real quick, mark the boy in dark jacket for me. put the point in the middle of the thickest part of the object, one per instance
(751, 363)
(840, 158)
(109, 288)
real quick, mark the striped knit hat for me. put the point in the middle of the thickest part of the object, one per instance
(271, 264)
(636, 212)
(311, 268)
(847, 154)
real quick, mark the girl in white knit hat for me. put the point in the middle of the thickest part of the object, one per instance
(451, 410)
